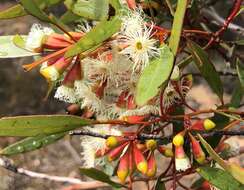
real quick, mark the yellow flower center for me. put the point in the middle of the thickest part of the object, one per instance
(139, 45)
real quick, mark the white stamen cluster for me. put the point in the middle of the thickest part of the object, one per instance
(35, 36)
(91, 144)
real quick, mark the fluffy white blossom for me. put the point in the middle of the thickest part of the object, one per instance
(139, 46)
(132, 21)
(182, 164)
(91, 144)
(36, 35)
(87, 98)
(66, 94)
(170, 96)
(147, 109)
(234, 146)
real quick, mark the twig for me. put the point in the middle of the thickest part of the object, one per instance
(8, 164)
(229, 19)
(211, 13)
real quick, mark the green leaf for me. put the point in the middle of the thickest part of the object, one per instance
(69, 17)
(93, 9)
(206, 68)
(99, 176)
(154, 75)
(237, 95)
(159, 185)
(13, 12)
(212, 153)
(29, 126)
(177, 25)
(31, 143)
(220, 178)
(9, 50)
(96, 36)
(32, 8)
(236, 171)
(240, 72)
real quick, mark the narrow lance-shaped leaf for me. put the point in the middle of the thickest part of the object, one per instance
(96, 36)
(236, 171)
(159, 185)
(31, 143)
(240, 72)
(177, 25)
(154, 75)
(32, 8)
(93, 9)
(220, 178)
(9, 50)
(237, 95)
(206, 68)
(99, 176)
(13, 12)
(29, 126)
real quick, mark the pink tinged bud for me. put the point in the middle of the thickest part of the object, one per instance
(53, 72)
(116, 152)
(123, 168)
(131, 160)
(197, 151)
(167, 152)
(140, 161)
(182, 162)
(73, 74)
(152, 166)
(56, 41)
(52, 56)
(131, 4)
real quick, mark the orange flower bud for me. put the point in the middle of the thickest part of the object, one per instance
(116, 152)
(141, 147)
(197, 151)
(151, 144)
(198, 125)
(123, 168)
(56, 41)
(167, 152)
(140, 161)
(53, 72)
(152, 167)
(134, 118)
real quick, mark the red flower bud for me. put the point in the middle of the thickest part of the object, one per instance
(123, 168)
(152, 167)
(197, 151)
(140, 161)
(116, 152)
(167, 152)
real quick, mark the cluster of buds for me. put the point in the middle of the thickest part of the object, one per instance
(182, 162)
(133, 155)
